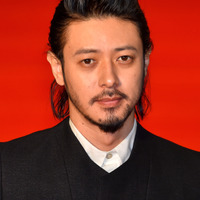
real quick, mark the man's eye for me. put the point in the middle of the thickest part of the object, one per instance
(125, 58)
(88, 61)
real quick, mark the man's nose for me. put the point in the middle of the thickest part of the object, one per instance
(108, 75)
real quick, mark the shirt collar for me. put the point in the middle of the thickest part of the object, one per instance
(123, 149)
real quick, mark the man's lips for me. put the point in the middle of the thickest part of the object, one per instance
(108, 98)
(110, 102)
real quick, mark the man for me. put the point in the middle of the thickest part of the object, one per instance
(99, 57)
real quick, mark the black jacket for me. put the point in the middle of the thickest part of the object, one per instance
(52, 165)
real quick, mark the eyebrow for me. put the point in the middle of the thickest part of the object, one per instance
(125, 48)
(87, 51)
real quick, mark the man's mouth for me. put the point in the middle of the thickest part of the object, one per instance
(109, 98)
(109, 101)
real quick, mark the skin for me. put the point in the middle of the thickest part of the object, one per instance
(104, 68)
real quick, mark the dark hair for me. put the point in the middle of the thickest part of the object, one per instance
(72, 10)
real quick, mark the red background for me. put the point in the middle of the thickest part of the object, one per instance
(25, 76)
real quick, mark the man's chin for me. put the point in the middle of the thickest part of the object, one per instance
(111, 124)
(111, 127)
(112, 121)
(108, 126)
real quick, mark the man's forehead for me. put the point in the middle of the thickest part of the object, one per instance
(96, 34)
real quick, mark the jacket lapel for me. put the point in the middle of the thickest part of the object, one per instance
(130, 181)
(79, 167)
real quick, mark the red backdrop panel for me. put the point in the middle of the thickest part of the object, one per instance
(25, 76)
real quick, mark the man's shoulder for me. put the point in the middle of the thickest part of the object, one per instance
(34, 162)
(172, 161)
(40, 139)
(162, 143)
(168, 151)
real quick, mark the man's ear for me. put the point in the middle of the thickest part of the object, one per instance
(56, 68)
(146, 62)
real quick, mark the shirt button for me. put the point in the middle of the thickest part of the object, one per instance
(109, 156)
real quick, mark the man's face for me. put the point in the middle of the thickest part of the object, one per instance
(104, 69)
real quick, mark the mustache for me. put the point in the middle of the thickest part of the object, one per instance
(108, 93)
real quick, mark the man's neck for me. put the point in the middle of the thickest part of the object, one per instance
(100, 139)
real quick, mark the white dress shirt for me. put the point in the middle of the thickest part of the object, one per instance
(110, 160)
